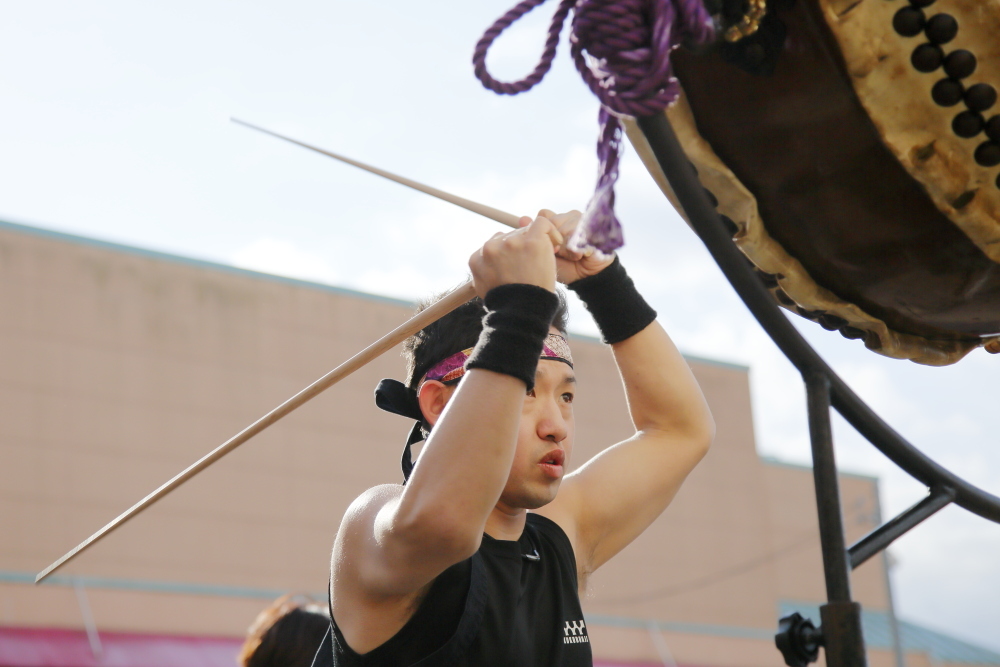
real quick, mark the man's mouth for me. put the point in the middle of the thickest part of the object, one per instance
(552, 463)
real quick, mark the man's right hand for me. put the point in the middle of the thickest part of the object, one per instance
(525, 255)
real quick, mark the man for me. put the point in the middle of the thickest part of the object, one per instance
(476, 560)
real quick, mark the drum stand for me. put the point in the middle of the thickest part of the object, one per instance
(840, 633)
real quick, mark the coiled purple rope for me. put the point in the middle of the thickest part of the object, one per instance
(622, 50)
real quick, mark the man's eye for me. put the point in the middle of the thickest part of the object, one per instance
(568, 397)
(531, 393)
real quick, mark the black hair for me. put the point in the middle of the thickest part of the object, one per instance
(456, 331)
(286, 634)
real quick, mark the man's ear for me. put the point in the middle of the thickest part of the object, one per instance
(433, 397)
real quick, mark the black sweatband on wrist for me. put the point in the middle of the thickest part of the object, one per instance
(616, 306)
(517, 320)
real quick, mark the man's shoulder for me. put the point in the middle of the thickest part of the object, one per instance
(371, 502)
(379, 493)
(354, 542)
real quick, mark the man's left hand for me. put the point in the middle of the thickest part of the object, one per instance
(572, 266)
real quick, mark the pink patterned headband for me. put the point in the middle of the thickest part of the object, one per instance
(452, 368)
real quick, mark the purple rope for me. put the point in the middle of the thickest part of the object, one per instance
(548, 55)
(622, 50)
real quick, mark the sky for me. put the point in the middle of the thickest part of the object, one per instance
(115, 125)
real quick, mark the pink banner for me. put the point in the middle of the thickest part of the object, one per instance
(45, 647)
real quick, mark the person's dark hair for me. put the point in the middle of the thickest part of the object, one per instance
(286, 634)
(456, 331)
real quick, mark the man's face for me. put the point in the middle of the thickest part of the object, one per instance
(545, 439)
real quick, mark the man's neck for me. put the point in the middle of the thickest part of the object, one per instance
(505, 523)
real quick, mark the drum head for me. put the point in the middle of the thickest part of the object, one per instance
(847, 180)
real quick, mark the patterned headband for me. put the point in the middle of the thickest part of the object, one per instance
(452, 368)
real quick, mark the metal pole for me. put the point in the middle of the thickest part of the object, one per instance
(897, 637)
(897, 640)
(885, 534)
(93, 637)
(666, 657)
(843, 639)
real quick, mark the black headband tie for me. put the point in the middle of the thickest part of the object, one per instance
(395, 397)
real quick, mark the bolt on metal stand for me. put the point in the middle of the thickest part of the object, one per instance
(840, 633)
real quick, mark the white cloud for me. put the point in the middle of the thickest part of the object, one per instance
(284, 258)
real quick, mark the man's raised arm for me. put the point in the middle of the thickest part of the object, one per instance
(614, 497)
(395, 540)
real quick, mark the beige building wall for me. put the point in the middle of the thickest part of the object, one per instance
(119, 367)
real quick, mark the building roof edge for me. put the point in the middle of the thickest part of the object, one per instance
(192, 261)
(774, 461)
(261, 275)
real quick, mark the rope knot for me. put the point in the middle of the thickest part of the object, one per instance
(622, 50)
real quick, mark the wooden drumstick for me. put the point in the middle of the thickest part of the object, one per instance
(445, 305)
(502, 217)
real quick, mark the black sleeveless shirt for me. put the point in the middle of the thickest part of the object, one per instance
(511, 604)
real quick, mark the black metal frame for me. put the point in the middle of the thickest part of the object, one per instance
(841, 617)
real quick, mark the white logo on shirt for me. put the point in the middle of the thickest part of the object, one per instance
(575, 632)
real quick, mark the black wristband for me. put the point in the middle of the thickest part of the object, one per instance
(516, 323)
(616, 306)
